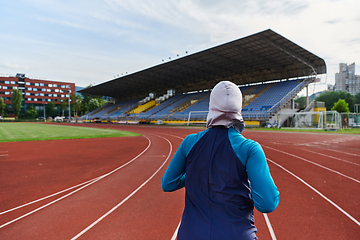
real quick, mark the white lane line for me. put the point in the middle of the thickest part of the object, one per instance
(352, 154)
(127, 198)
(177, 229)
(330, 157)
(4, 153)
(321, 195)
(90, 183)
(176, 232)
(52, 195)
(174, 136)
(330, 142)
(46, 205)
(271, 230)
(329, 169)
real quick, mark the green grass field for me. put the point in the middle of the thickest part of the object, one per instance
(13, 132)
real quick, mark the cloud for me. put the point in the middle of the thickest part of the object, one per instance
(57, 21)
(351, 42)
(108, 37)
(15, 67)
(334, 21)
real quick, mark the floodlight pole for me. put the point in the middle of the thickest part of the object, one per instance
(69, 107)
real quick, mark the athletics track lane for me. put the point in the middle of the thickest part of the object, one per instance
(66, 218)
(38, 168)
(292, 220)
(302, 212)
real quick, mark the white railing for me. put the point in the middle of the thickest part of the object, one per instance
(285, 97)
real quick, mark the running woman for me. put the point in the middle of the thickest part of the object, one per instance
(224, 174)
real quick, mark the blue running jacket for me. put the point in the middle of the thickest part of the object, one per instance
(224, 175)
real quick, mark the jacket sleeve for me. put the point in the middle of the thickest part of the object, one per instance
(264, 191)
(174, 177)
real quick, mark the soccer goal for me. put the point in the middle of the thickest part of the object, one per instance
(330, 120)
(197, 117)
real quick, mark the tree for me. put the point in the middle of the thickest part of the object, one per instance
(85, 101)
(16, 98)
(2, 106)
(357, 98)
(301, 101)
(63, 105)
(341, 106)
(76, 100)
(94, 104)
(331, 97)
(349, 99)
(50, 108)
(31, 113)
(78, 104)
(85, 107)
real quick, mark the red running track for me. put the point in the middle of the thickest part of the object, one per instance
(111, 188)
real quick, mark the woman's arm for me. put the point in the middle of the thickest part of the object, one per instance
(264, 191)
(174, 177)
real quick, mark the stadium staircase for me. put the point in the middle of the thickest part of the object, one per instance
(164, 107)
(142, 108)
(190, 102)
(260, 103)
(125, 107)
(254, 96)
(276, 96)
(291, 93)
(97, 111)
(113, 110)
(110, 110)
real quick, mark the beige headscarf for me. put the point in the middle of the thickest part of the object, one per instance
(225, 107)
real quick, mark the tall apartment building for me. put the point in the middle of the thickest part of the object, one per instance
(36, 92)
(346, 80)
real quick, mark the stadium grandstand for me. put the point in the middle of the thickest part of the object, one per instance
(269, 69)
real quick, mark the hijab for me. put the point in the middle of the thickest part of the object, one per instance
(225, 107)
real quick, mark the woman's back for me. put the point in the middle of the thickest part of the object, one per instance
(218, 202)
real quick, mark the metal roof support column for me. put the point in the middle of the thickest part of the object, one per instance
(283, 49)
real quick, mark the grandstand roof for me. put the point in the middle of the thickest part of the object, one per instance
(260, 57)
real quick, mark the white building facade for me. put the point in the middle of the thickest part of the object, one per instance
(346, 80)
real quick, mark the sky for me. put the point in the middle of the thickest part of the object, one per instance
(90, 42)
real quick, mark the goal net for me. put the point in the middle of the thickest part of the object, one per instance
(197, 117)
(330, 120)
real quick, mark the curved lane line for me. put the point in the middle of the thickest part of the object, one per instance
(127, 198)
(174, 136)
(91, 182)
(321, 195)
(46, 205)
(177, 229)
(352, 154)
(176, 232)
(271, 230)
(40, 199)
(330, 156)
(329, 169)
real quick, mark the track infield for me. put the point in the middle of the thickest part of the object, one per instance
(14, 132)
